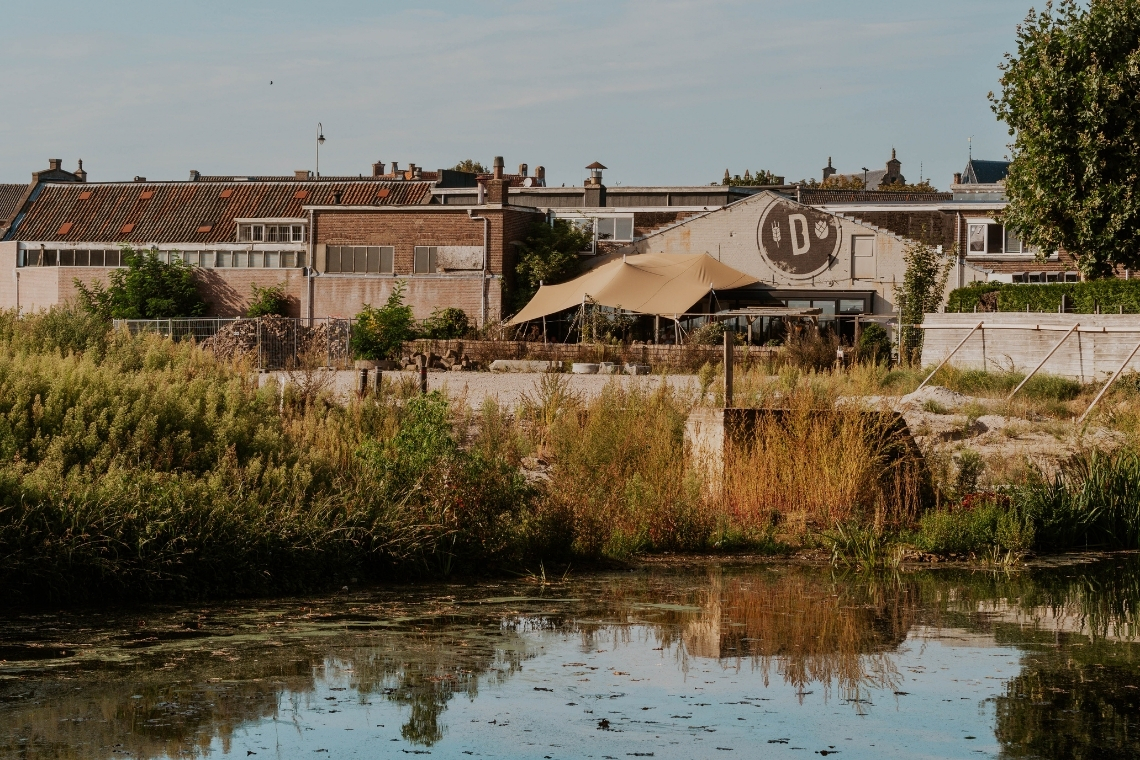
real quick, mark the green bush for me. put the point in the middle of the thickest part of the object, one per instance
(445, 324)
(874, 344)
(1084, 297)
(379, 333)
(144, 288)
(268, 302)
(977, 529)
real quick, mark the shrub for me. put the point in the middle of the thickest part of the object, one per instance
(145, 288)
(266, 302)
(379, 333)
(976, 528)
(549, 255)
(809, 349)
(1084, 297)
(708, 334)
(874, 344)
(445, 324)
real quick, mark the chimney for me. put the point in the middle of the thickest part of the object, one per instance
(522, 170)
(498, 164)
(828, 170)
(596, 173)
(336, 197)
(395, 168)
(417, 172)
(301, 175)
(378, 169)
(540, 176)
(957, 178)
(54, 164)
(195, 175)
(140, 179)
(80, 173)
(497, 187)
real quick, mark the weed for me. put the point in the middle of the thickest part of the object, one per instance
(932, 406)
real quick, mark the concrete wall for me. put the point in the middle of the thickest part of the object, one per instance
(1017, 342)
(344, 295)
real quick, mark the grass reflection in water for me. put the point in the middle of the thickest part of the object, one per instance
(187, 683)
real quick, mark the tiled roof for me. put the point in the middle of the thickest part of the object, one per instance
(979, 172)
(9, 197)
(823, 197)
(195, 212)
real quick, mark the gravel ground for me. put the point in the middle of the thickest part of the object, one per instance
(507, 388)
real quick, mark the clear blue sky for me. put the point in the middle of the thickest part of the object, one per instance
(660, 92)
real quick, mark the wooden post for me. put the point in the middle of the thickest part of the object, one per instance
(423, 373)
(729, 345)
(943, 362)
(1108, 385)
(1041, 363)
(362, 382)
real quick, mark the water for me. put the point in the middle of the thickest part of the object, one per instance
(693, 661)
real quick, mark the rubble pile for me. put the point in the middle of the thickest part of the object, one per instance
(284, 342)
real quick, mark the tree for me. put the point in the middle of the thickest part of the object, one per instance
(902, 187)
(762, 177)
(144, 288)
(267, 302)
(446, 324)
(549, 255)
(379, 333)
(1069, 98)
(922, 287)
(472, 166)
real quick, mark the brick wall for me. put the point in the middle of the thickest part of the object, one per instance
(227, 292)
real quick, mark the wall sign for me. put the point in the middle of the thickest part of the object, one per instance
(798, 240)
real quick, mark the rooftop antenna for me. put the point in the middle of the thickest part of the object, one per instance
(970, 143)
(920, 172)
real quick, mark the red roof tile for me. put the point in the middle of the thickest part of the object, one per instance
(64, 228)
(179, 210)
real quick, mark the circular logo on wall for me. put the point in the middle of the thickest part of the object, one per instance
(798, 240)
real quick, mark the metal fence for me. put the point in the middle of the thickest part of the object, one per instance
(269, 342)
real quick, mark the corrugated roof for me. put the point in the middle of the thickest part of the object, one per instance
(821, 197)
(177, 211)
(9, 197)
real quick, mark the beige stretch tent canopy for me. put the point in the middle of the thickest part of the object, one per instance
(648, 283)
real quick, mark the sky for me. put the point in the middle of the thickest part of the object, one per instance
(662, 92)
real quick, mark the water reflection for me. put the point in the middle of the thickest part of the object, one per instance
(188, 683)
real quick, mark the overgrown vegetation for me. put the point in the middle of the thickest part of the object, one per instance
(923, 286)
(268, 302)
(874, 344)
(445, 324)
(380, 332)
(1110, 296)
(144, 288)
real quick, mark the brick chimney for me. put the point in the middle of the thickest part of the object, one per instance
(540, 176)
(378, 169)
(497, 187)
(396, 168)
(54, 164)
(301, 175)
(195, 175)
(957, 178)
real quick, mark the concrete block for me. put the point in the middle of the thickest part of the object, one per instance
(584, 368)
(637, 369)
(523, 365)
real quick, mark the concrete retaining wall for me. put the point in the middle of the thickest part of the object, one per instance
(1012, 341)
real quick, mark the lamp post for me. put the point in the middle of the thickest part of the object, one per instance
(320, 142)
(865, 170)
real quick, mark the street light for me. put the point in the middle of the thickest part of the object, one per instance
(320, 142)
(865, 170)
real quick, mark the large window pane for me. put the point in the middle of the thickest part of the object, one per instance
(82, 258)
(239, 259)
(67, 258)
(827, 306)
(373, 264)
(387, 259)
(1012, 241)
(359, 254)
(298, 233)
(96, 259)
(605, 228)
(623, 228)
(272, 259)
(288, 259)
(977, 237)
(995, 238)
(851, 306)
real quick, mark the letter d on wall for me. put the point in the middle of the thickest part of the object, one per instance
(800, 240)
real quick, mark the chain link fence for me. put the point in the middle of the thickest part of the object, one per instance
(267, 342)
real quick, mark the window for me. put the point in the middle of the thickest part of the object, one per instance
(239, 259)
(222, 259)
(827, 306)
(50, 258)
(851, 306)
(271, 233)
(82, 258)
(993, 238)
(863, 253)
(272, 259)
(614, 227)
(425, 259)
(67, 258)
(357, 259)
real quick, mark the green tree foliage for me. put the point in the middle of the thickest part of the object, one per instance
(267, 302)
(445, 324)
(144, 288)
(922, 287)
(874, 344)
(549, 254)
(380, 332)
(902, 187)
(1069, 97)
(472, 166)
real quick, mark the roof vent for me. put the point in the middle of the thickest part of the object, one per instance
(195, 175)
(140, 179)
(378, 169)
(336, 197)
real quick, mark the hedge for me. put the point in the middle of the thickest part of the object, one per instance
(1084, 297)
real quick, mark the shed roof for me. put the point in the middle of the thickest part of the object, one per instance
(194, 212)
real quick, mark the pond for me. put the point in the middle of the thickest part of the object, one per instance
(727, 659)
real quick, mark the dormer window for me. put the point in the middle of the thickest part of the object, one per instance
(271, 233)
